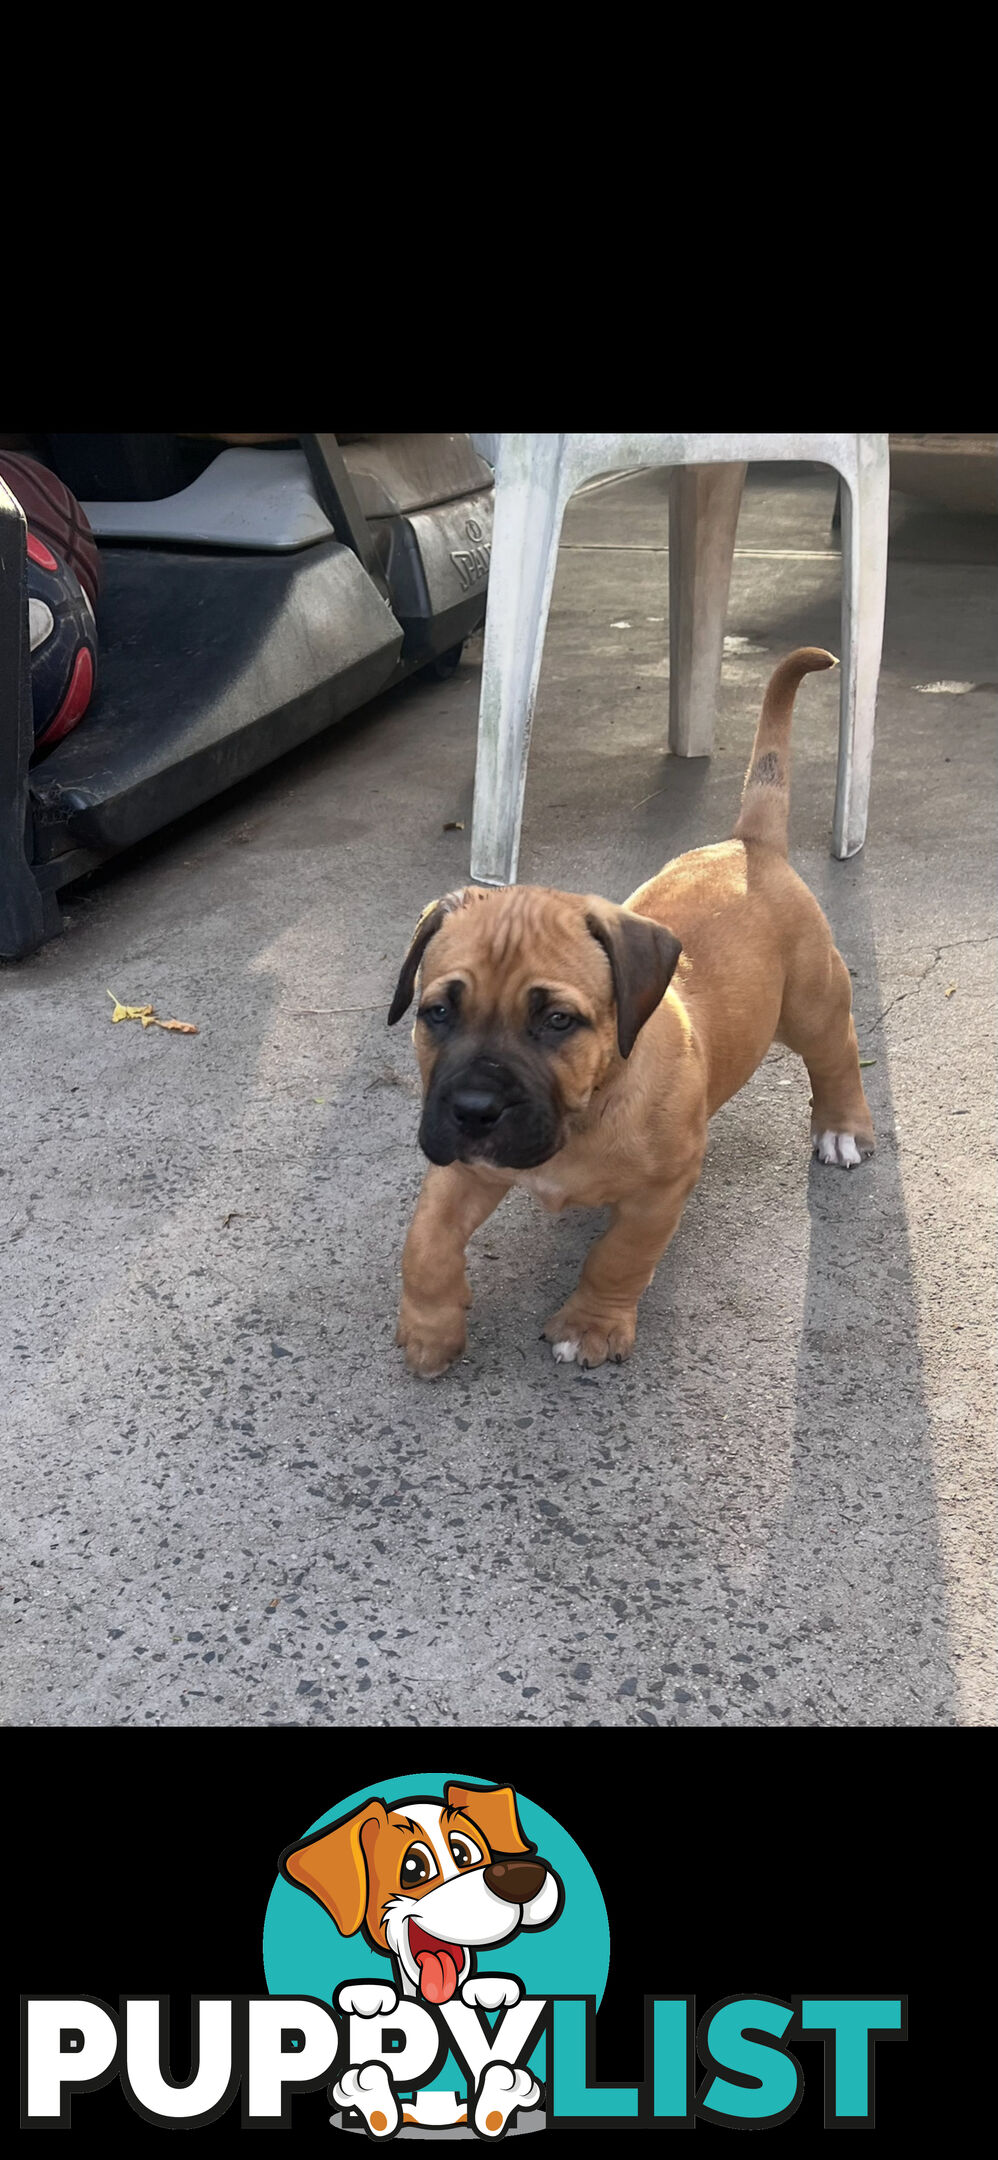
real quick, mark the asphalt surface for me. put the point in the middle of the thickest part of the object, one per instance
(227, 1502)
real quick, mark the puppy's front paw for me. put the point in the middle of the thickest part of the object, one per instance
(581, 1337)
(491, 1991)
(366, 1998)
(431, 1343)
(841, 1150)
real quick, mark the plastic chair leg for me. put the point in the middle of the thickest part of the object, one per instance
(865, 507)
(528, 514)
(703, 517)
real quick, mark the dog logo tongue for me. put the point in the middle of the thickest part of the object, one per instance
(439, 1964)
(437, 1975)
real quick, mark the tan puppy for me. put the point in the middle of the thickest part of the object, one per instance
(578, 1049)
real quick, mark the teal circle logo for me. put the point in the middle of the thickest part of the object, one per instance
(305, 1951)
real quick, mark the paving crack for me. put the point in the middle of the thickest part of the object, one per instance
(953, 946)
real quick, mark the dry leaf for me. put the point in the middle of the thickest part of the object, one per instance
(147, 1015)
(128, 1012)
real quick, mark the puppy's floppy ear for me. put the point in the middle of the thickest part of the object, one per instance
(494, 1810)
(427, 927)
(642, 956)
(331, 1865)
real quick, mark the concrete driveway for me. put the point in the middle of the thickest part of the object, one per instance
(227, 1503)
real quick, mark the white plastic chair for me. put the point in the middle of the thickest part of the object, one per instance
(536, 475)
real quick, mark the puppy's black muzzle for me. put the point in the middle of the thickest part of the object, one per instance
(492, 1110)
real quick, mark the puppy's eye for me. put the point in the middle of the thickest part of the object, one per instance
(464, 1851)
(437, 1015)
(417, 1866)
(560, 1022)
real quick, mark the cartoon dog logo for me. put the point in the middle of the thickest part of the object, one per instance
(428, 1885)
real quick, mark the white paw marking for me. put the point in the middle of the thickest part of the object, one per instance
(369, 2088)
(501, 2092)
(837, 1148)
(491, 1991)
(564, 1353)
(366, 1999)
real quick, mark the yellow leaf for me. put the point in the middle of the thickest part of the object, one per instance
(128, 1012)
(147, 1015)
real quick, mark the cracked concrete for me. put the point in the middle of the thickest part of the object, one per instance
(928, 970)
(227, 1503)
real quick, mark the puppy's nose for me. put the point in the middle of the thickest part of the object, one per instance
(516, 1880)
(475, 1109)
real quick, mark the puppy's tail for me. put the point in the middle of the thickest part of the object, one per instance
(766, 794)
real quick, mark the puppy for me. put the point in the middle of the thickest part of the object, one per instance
(427, 1884)
(578, 1049)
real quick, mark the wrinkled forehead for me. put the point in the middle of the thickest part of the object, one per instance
(509, 941)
